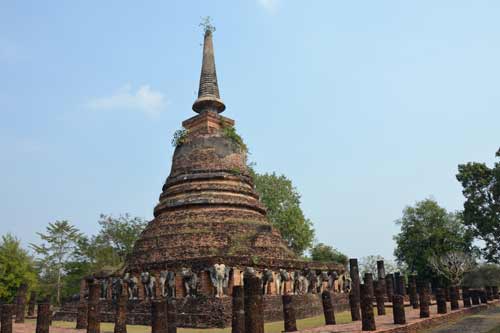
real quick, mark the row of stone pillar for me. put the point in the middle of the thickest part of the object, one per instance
(7, 311)
(248, 313)
(393, 287)
(20, 303)
(163, 313)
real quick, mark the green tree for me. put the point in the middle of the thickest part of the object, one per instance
(483, 275)
(326, 253)
(481, 188)
(54, 253)
(16, 267)
(115, 240)
(427, 231)
(120, 233)
(282, 200)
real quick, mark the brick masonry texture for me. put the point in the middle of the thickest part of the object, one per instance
(204, 312)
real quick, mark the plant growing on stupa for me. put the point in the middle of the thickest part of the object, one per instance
(180, 137)
(230, 133)
(206, 24)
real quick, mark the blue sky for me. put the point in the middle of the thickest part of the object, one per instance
(367, 106)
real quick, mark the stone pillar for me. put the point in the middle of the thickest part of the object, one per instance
(7, 310)
(367, 316)
(489, 293)
(380, 296)
(483, 297)
(354, 294)
(398, 309)
(447, 294)
(93, 320)
(399, 284)
(412, 284)
(389, 286)
(81, 315)
(171, 315)
(81, 310)
(158, 316)
(326, 297)
(289, 314)
(368, 282)
(121, 311)
(254, 318)
(21, 302)
(31, 304)
(238, 320)
(466, 297)
(424, 300)
(441, 300)
(43, 317)
(454, 298)
(475, 296)
(381, 276)
(495, 292)
(109, 290)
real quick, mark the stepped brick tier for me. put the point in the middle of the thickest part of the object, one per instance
(210, 227)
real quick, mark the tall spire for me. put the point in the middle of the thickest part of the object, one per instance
(208, 93)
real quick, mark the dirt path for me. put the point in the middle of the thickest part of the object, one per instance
(478, 323)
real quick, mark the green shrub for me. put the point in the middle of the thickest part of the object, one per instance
(180, 137)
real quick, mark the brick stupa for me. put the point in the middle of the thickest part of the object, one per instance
(209, 210)
(209, 216)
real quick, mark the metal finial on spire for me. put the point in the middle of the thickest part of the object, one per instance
(208, 93)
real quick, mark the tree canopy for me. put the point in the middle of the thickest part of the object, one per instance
(483, 275)
(481, 188)
(427, 231)
(115, 240)
(326, 253)
(282, 201)
(57, 249)
(368, 264)
(16, 267)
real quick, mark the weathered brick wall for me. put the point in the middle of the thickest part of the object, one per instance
(204, 312)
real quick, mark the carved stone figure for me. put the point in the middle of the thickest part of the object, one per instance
(301, 283)
(313, 280)
(167, 283)
(133, 286)
(345, 283)
(148, 282)
(321, 278)
(219, 274)
(104, 288)
(250, 271)
(116, 288)
(281, 279)
(267, 279)
(332, 277)
(190, 280)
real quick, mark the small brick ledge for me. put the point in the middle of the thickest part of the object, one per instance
(438, 319)
(414, 325)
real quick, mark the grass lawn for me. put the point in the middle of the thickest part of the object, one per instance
(275, 327)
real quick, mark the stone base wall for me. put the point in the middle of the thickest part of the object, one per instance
(206, 312)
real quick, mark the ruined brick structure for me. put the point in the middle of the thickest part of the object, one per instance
(209, 225)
